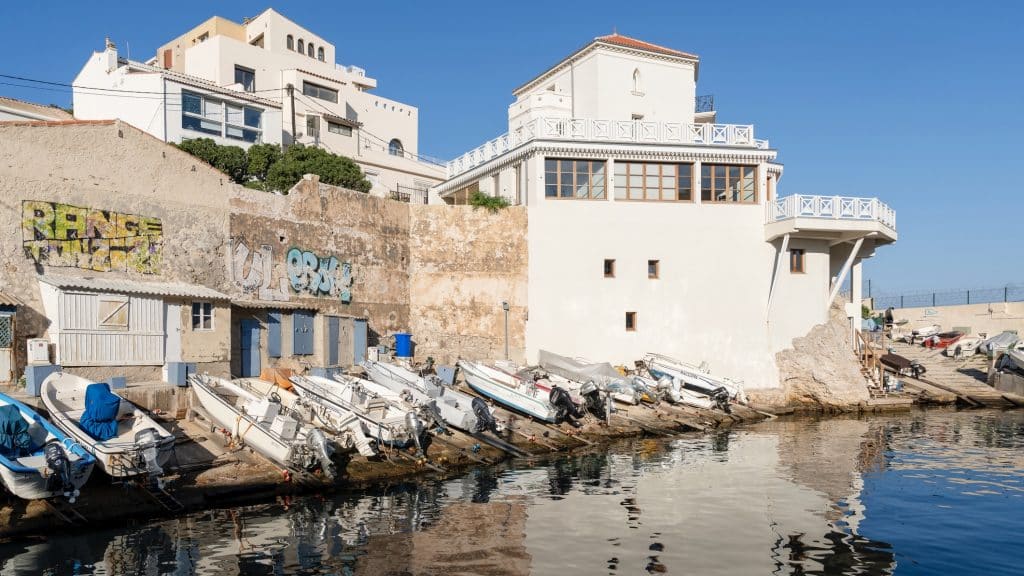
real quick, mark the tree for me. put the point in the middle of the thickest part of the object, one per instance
(231, 161)
(300, 160)
(203, 148)
(260, 158)
(491, 203)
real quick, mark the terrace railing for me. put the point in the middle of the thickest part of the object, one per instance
(831, 207)
(592, 130)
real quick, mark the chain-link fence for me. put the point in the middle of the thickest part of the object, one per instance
(1008, 293)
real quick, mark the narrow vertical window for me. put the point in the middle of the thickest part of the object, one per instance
(302, 46)
(653, 268)
(290, 41)
(630, 321)
(202, 316)
(609, 268)
(310, 51)
(637, 86)
(796, 261)
(320, 53)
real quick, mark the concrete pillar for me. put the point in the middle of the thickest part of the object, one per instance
(856, 291)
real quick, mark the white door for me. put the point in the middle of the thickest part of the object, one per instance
(6, 348)
(172, 325)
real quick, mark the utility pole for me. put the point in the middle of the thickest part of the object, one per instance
(291, 97)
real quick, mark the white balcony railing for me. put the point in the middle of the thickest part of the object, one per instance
(591, 130)
(831, 207)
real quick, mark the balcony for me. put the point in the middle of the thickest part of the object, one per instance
(624, 131)
(837, 218)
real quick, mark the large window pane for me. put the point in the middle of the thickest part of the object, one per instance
(235, 115)
(191, 103)
(253, 117)
(200, 125)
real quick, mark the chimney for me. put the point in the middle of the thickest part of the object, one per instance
(110, 55)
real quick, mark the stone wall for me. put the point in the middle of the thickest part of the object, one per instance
(464, 263)
(988, 318)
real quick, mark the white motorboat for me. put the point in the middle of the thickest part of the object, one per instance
(390, 423)
(966, 346)
(921, 333)
(673, 391)
(508, 390)
(260, 423)
(455, 408)
(125, 441)
(344, 428)
(695, 378)
(36, 459)
(604, 375)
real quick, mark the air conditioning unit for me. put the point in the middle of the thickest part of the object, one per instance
(38, 351)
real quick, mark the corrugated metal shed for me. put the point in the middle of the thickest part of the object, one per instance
(274, 305)
(8, 300)
(172, 289)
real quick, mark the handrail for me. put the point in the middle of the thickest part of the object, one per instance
(831, 207)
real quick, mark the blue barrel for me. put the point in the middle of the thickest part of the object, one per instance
(403, 345)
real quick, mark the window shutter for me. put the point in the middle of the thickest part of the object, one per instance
(303, 333)
(274, 334)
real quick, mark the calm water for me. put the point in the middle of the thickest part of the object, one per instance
(937, 492)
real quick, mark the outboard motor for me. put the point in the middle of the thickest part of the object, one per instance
(721, 397)
(58, 463)
(415, 427)
(592, 399)
(669, 386)
(146, 442)
(317, 443)
(484, 419)
(565, 409)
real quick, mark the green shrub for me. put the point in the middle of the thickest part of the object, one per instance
(491, 203)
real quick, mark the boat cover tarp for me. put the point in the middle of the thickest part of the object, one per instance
(15, 440)
(602, 373)
(1011, 361)
(1001, 340)
(100, 417)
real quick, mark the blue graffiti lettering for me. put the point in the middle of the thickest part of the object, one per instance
(319, 276)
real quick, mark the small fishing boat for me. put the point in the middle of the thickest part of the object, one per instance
(344, 429)
(922, 332)
(261, 423)
(695, 378)
(1003, 341)
(673, 392)
(36, 459)
(966, 346)
(942, 340)
(455, 408)
(389, 423)
(125, 441)
(508, 390)
(603, 374)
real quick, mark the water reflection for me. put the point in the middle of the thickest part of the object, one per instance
(835, 496)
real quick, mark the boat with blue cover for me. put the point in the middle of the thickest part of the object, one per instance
(126, 442)
(36, 459)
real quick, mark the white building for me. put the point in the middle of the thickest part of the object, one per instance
(14, 110)
(653, 228)
(271, 63)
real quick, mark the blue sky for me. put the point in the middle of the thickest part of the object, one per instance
(918, 103)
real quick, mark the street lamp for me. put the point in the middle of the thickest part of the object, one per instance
(505, 307)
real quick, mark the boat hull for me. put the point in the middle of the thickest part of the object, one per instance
(489, 385)
(455, 408)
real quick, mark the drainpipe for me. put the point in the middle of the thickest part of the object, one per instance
(291, 97)
(165, 108)
(505, 307)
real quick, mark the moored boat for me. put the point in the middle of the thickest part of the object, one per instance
(672, 391)
(966, 346)
(455, 408)
(508, 390)
(36, 459)
(125, 441)
(261, 423)
(942, 340)
(695, 378)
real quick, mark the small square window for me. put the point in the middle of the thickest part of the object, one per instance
(609, 268)
(796, 261)
(202, 316)
(653, 268)
(630, 321)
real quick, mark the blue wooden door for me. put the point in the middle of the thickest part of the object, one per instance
(250, 366)
(333, 334)
(359, 341)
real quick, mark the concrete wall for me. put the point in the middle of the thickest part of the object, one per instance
(989, 318)
(464, 263)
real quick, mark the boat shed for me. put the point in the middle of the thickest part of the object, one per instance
(96, 322)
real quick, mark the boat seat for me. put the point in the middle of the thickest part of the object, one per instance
(37, 461)
(38, 433)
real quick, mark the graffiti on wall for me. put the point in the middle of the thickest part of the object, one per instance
(253, 271)
(319, 275)
(57, 234)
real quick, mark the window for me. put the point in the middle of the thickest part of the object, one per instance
(309, 51)
(796, 261)
(243, 123)
(112, 312)
(575, 179)
(336, 128)
(727, 183)
(245, 77)
(200, 113)
(630, 321)
(302, 46)
(638, 116)
(202, 316)
(290, 42)
(658, 182)
(313, 126)
(609, 268)
(395, 147)
(321, 92)
(320, 53)
(637, 86)
(653, 268)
